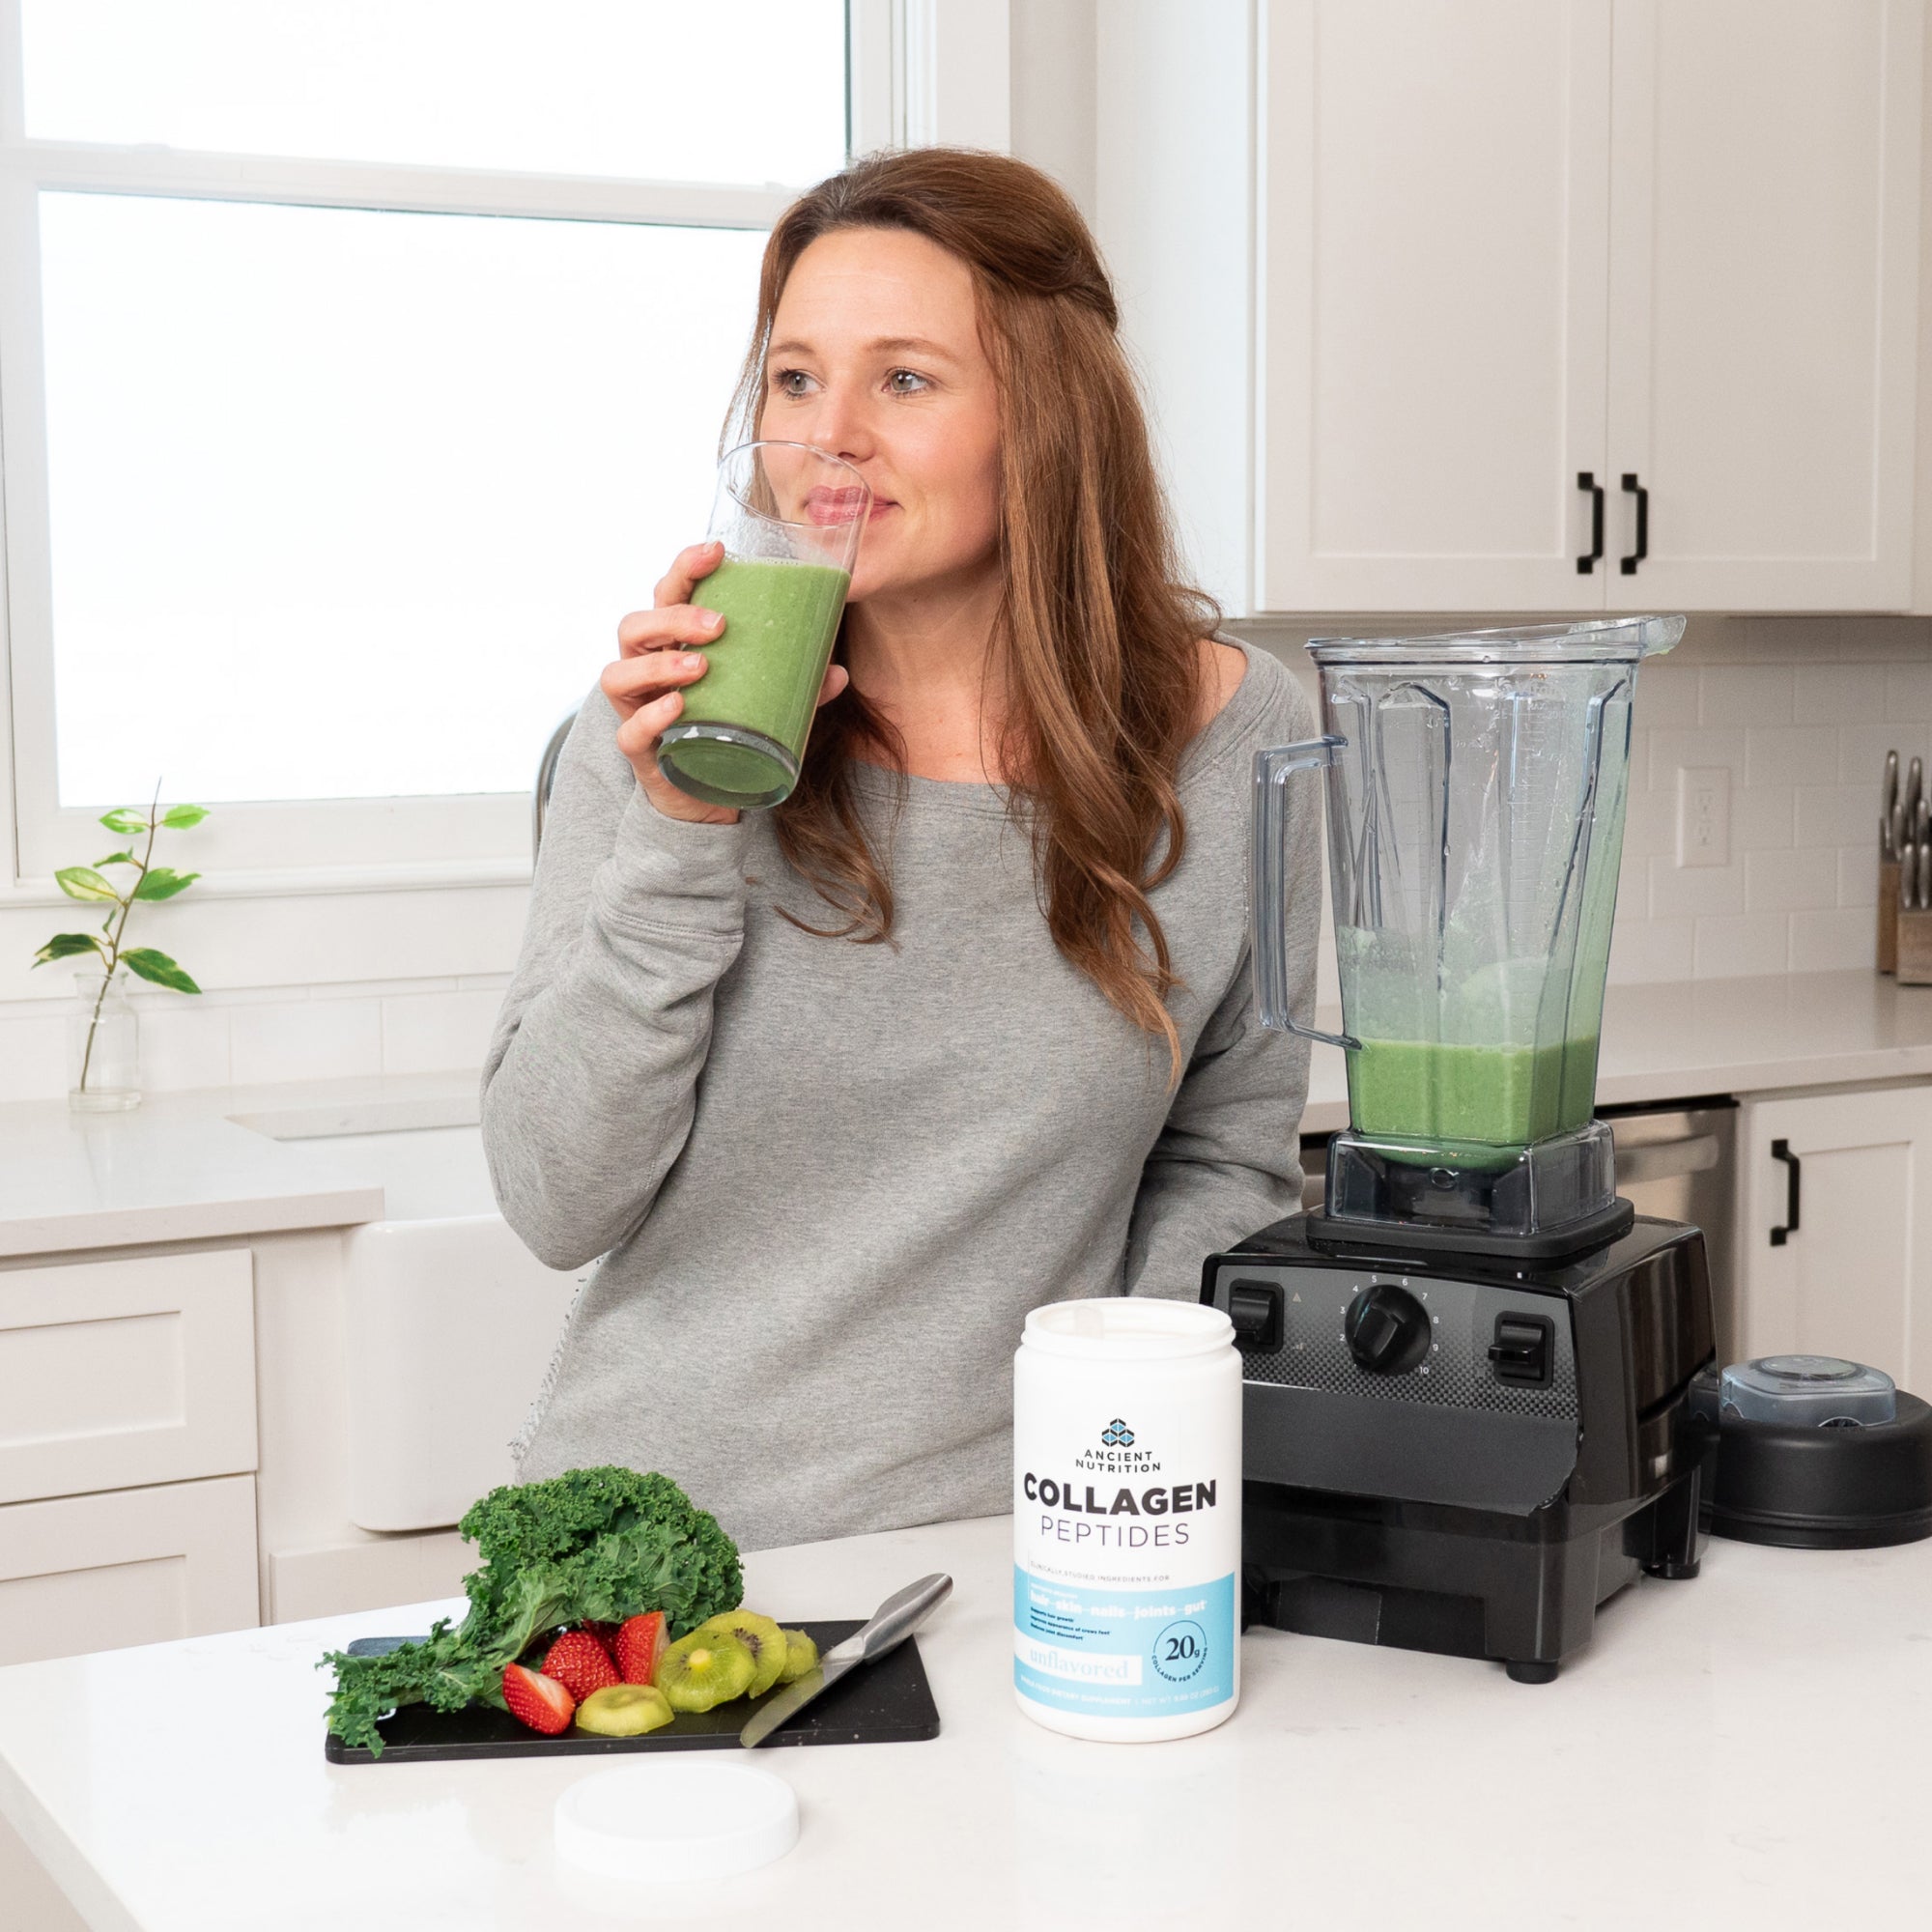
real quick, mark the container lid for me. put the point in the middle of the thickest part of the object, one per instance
(675, 1820)
(1129, 1327)
(1818, 1391)
(1804, 1487)
(1614, 639)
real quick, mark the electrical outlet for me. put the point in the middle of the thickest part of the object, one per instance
(1703, 815)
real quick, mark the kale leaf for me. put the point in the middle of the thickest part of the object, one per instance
(591, 1546)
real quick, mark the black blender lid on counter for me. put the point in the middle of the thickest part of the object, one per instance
(1814, 1452)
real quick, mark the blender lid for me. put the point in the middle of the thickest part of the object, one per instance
(1821, 1391)
(1629, 638)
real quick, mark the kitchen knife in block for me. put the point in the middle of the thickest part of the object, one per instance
(1915, 949)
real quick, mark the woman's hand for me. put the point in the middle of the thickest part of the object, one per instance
(658, 658)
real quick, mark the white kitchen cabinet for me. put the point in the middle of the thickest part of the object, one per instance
(133, 1566)
(1434, 244)
(1854, 1277)
(1506, 255)
(1764, 272)
(126, 1371)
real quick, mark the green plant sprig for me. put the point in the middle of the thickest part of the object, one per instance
(89, 883)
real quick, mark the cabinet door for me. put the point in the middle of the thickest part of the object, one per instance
(134, 1566)
(1764, 255)
(1854, 1277)
(1430, 352)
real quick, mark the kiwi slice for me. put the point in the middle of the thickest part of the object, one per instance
(801, 1656)
(624, 1710)
(759, 1636)
(700, 1671)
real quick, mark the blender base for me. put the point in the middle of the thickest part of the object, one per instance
(1464, 1453)
(1456, 1582)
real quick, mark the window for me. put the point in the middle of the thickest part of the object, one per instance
(361, 362)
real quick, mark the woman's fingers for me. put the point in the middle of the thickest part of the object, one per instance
(638, 735)
(633, 681)
(695, 562)
(667, 626)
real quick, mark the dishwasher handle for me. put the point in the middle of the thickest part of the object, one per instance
(1794, 1174)
(1665, 1160)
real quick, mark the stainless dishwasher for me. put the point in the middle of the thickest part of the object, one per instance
(1673, 1162)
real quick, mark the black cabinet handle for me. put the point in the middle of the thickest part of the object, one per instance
(1586, 480)
(1793, 1173)
(1642, 550)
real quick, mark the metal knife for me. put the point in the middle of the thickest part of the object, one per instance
(1889, 804)
(1914, 786)
(893, 1622)
(1925, 877)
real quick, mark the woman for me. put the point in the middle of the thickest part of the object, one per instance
(839, 1091)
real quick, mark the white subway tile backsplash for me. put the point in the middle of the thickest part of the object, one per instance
(1737, 944)
(1907, 692)
(33, 1054)
(1762, 817)
(184, 1043)
(1690, 892)
(1839, 694)
(1748, 694)
(307, 1039)
(1861, 750)
(1653, 948)
(1858, 876)
(1823, 942)
(1792, 754)
(436, 1032)
(1788, 881)
(1650, 823)
(1837, 814)
(1674, 746)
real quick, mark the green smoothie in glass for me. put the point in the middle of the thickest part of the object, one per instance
(790, 517)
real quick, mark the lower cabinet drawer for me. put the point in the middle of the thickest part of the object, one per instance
(134, 1370)
(133, 1565)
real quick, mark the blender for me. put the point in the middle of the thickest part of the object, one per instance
(1466, 1377)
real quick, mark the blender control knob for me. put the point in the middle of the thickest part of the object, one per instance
(1387, 1329)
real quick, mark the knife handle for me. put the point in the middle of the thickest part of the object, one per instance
(893, 1621)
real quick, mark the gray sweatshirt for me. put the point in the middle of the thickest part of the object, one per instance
(828, 1180)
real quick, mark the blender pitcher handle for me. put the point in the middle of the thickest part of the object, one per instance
(1269, 883)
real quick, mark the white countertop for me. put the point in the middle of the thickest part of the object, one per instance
(180, 1168)
(1744, 1748)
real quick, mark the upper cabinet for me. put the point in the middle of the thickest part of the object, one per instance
(1555, 304)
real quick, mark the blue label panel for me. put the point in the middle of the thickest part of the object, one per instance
(1123, 1652)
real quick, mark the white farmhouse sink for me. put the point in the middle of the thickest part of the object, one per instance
(451, 1321)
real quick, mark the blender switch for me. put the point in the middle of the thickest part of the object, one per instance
(1254, 1307)
(1522, 1350)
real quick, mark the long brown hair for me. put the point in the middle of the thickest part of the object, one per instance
(1099, 634)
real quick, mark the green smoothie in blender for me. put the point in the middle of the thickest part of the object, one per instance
(1503, 1096)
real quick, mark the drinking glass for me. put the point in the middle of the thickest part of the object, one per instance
(790, 518)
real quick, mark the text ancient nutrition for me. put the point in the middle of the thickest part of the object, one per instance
(1163, 1499)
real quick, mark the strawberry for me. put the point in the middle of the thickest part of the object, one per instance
(640, 1642)
(605, 1633)
(580, 1663)
(541, 1702)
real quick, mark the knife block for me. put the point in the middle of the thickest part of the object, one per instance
(1887, 914)
(1915, 949)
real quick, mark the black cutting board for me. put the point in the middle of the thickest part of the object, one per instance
(889, 1703)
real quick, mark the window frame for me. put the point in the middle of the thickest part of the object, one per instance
(321, 845)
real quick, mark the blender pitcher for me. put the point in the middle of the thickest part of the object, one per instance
(1476, 786)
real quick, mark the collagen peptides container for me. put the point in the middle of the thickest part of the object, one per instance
(1126, 1519)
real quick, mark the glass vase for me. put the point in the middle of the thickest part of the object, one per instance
(103, 1046)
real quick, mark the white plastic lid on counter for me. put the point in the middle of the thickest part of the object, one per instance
(673, 1821)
